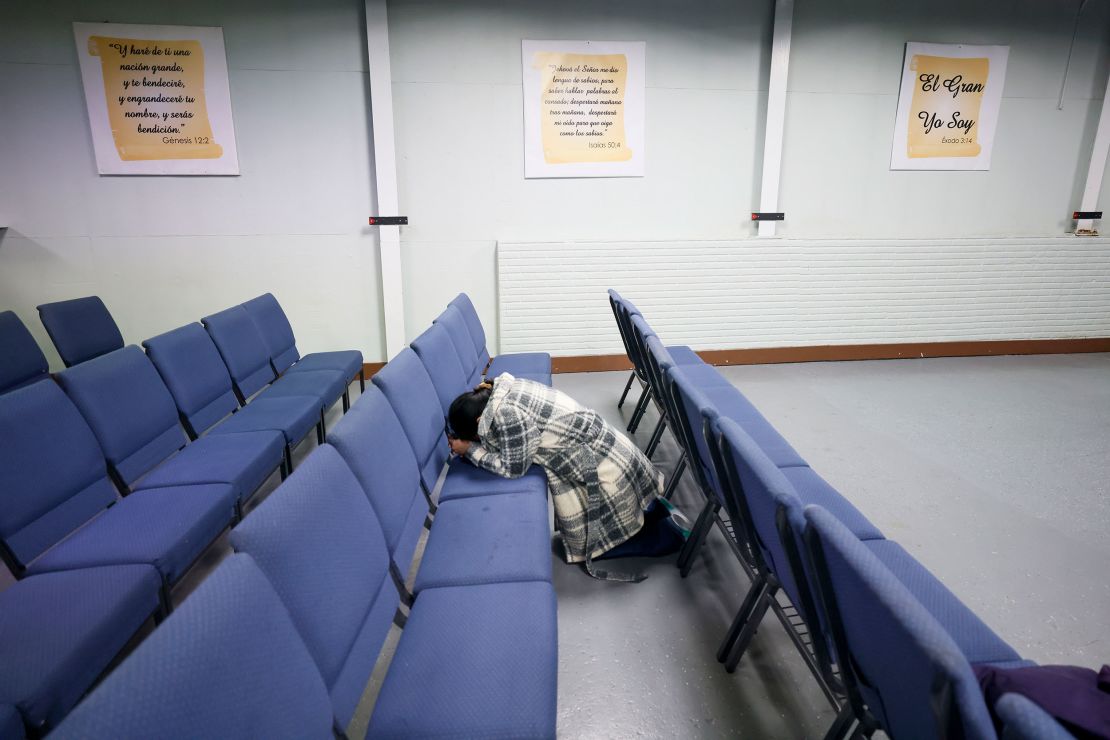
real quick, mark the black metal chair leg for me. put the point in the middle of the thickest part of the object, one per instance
(656, 435)
(288, 461)
(676, 476)
(320, 430)
(748, 632)
(362, 381)
(627, 387)
(742, 617)
(641, 407)
(346, 400)
(693, 544)
(842, 724)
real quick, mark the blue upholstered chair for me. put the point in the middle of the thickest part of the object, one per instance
(198, 380)
(472, 661)
(532, 365)
(277, 333)
(622, 314)
(59, 511)
(1024, 720)
(229, 663)
(905, 642)
(471, 540)
(411, 393)
(452, 320)
(248, 361)
(60, 631)
(766, 504)
(406, 384)
(81, 329)
(136, 423)
(690, 399)
(438, 355)
(637, 332)
(21, 362)
(319, 542)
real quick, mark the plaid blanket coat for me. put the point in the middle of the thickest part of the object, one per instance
(599, 480)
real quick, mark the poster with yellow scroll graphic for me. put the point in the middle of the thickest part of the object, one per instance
(948, 106)
(158, 99)
(583, 108)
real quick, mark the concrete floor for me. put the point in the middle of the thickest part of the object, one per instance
(991, 471)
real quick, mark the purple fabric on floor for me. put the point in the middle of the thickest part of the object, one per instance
(1079, 698)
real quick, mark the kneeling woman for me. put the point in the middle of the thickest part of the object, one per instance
(600, 483)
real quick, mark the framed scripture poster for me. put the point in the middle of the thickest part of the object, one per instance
(948, 106)
(158, 99)
(583, 108)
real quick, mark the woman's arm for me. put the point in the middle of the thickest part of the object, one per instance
(515, 442)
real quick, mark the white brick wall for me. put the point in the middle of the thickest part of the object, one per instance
(788, 293)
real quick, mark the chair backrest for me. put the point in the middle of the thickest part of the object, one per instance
(370, 439)
(452, 319)
(437, 353)
(410, 391)
(227, 663)
(474, 325)
(686, 405)
(276, 331)
(616, 303)
(895, 657)
(129, 408)
(52, 473)
(81, 329)
(243, 349)
(758, 489)
(1024, 720)
(634, 343)
(195, 374)
(21, 362)
(649, 361)
(319, 542)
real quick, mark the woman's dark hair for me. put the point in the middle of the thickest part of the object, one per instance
(465, 410)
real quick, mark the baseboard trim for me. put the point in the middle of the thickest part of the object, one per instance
(845, 352)
(369, 368)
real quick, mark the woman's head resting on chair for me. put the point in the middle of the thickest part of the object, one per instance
(465, 410)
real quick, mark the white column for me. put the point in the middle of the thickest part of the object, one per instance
(385, 171)
(1098, 164)
(776, 113)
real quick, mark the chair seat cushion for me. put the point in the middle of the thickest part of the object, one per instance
(520, 363)
(731, 404)
(164, 527)
(684, 356)
(325, 385)
(465, 480)
(348, 362)
(813, 489)
(61, 631)
(243, 460)
(488, 539)
(976, 640)
(705, 377)
(474, 661)
(293, 416)
(541, 378)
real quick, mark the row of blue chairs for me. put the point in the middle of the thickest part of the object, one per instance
(324, 566)
(889, 645)
(115, 479)
(83, 329)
